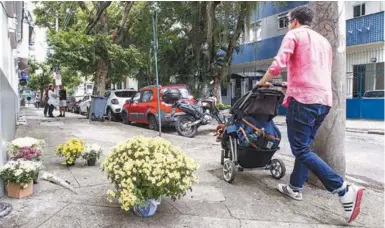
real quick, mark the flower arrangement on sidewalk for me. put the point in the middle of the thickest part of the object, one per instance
(71, 150)
(145, 169)
(92, 153)
(19, 177)
(26, 148)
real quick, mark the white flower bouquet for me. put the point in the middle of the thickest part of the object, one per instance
(19, 172)
(92, 153)
(148, 168)
(26, 148)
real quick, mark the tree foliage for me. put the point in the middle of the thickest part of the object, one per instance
(113, 40)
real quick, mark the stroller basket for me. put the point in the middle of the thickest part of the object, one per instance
(252, 158)
(261, 104)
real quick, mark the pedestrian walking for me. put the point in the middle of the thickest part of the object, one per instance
(51, 101)
(45, 99)
(37, 99)
(308, 57)
(62, 101)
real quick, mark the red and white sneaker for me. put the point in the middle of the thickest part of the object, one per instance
(351, 202)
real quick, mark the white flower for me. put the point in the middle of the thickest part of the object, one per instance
(25, 142)
(18, 172)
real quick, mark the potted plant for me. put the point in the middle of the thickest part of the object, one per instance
(91, 153)
(145, 169)
(27, 149)
(19, 178)
(71, 150)
(25, 142)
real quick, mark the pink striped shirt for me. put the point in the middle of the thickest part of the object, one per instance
(308, 58)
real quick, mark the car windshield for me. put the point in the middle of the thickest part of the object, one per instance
(125, 93)
(184, 91)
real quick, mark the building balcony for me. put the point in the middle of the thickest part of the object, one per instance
(365, 29)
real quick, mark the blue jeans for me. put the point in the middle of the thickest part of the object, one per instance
(303, 121)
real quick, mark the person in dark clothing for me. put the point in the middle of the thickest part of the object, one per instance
(45, 99)
(62, 101)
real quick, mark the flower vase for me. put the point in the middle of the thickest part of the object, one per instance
(91, 162)
(18, 191)
(146, 209)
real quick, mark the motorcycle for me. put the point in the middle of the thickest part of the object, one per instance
(193, 116)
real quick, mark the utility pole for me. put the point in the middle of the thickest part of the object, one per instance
(156, 66)
(329, 143)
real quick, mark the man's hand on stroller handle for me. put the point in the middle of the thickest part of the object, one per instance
(268, 84)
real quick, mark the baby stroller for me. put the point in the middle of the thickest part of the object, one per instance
(250, 138)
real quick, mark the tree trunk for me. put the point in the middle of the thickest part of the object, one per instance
(330, 141)
(100, 78)
(233, 40)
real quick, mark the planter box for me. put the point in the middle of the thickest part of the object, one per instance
(17, 191)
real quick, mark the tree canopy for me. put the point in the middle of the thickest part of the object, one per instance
(112, 40)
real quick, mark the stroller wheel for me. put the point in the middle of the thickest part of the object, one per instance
(229, 171)
(277, 168)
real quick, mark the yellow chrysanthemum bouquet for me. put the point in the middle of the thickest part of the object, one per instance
(71, 150)
(148, 168)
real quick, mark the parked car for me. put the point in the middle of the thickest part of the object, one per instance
(374, 94)
(85, 105)
(142, 108)
(115, 101)
(70, 103)
(75, 106)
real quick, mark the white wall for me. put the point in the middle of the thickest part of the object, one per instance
(370, 7)
(23, 46)
(8, 89)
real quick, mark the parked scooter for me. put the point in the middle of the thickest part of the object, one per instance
(193, 116)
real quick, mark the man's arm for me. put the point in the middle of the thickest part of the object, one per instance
(282, 59)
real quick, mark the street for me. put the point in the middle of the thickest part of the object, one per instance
(250, 201)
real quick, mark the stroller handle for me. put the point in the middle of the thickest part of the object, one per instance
(274, 84)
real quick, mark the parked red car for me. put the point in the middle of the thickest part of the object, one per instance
(142, 108)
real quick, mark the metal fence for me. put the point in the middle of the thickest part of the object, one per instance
(360, 82)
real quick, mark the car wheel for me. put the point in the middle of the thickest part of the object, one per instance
(110, 115)
(125, 118)
(152, 123)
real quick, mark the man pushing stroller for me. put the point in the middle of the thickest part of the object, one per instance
(308, 57)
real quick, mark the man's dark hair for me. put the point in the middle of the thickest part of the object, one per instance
(303, 14)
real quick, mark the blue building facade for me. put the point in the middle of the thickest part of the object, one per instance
(364, 53)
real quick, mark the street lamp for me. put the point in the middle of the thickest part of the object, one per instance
(154, 9)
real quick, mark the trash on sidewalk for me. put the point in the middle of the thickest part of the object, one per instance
(56, 180)
(5, 209)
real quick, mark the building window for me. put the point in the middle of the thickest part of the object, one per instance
(283, 21)
(255, 32)
(89, 86)
(359, 10)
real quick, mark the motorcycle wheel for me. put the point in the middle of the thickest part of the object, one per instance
(184, 131)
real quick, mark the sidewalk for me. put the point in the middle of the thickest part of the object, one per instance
(360, 126)
(251, 201)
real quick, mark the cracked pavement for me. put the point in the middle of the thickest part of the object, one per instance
(250, 201)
